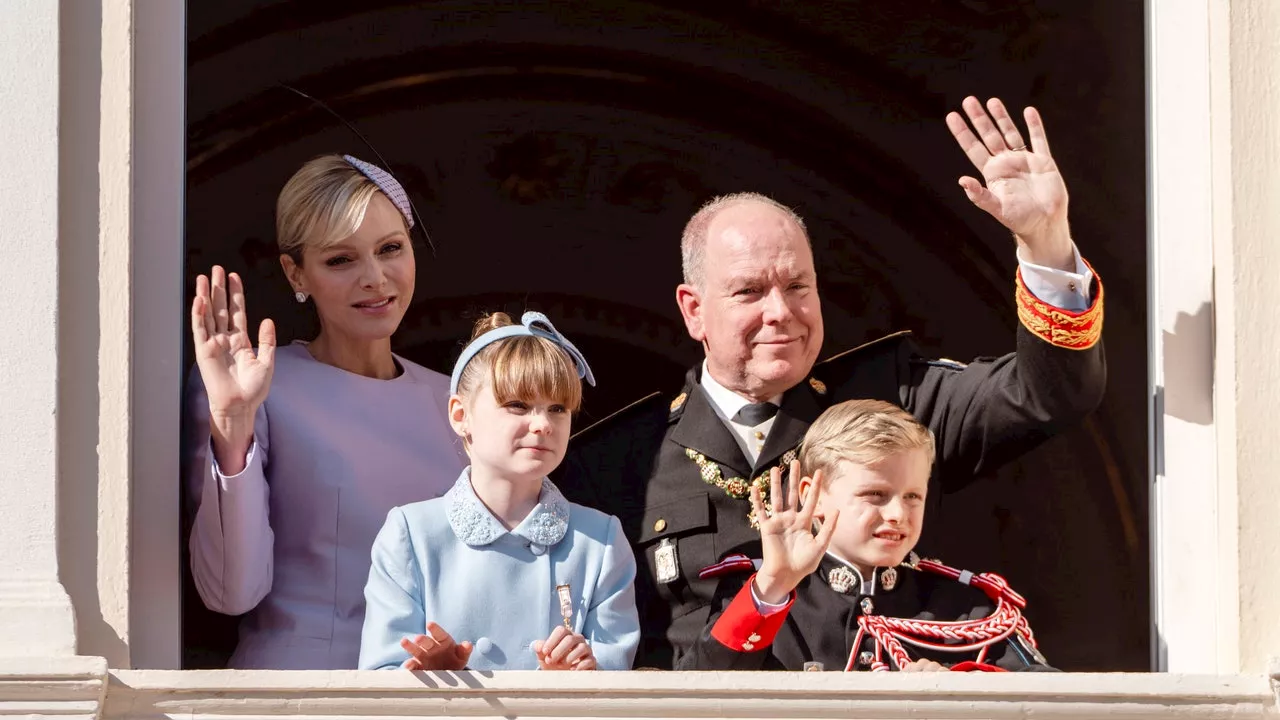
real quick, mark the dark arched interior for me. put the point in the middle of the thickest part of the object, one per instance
(554, 151)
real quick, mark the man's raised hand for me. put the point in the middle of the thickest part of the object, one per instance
(1023, 188)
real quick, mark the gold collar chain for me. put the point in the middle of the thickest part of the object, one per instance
(737, 487)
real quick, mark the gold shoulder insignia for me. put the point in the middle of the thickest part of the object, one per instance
(678, 401)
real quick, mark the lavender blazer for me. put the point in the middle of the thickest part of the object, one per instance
(286, 541)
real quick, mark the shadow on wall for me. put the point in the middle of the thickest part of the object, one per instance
(1188, 367)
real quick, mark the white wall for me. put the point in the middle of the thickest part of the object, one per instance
(35, 612)
(1247, 249)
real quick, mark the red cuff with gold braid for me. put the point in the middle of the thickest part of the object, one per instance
(741, 627)
(1062, 328)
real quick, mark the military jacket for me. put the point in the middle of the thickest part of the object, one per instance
(636, 464)
(820, 623)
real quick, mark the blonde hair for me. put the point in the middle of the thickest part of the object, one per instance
(863, 432)
(521, 368)
(324, 202)
(693, 241)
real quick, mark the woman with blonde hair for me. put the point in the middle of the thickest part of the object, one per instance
(299, 452)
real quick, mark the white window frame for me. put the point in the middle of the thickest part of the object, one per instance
(158, 303)
(1194, 582)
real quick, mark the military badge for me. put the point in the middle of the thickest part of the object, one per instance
(888, 578)
(868, 607)
(818, 386)
(842, 580)
(666, 561)
(678, 402)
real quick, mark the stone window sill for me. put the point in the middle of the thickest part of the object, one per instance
(85, 687)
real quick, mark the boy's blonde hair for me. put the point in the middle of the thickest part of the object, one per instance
(324, 202)
(523, 367)
(863, 432)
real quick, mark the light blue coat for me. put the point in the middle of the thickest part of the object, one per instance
(448, 560)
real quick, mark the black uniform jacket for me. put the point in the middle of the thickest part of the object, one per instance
(822, 624)
(634, 464)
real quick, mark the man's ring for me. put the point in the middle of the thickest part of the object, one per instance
(1020, 148)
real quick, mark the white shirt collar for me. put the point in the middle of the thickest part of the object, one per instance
(726, 402)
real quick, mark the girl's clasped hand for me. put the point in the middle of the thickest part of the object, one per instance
(437, 650)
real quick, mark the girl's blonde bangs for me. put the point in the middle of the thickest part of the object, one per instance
(533, 368)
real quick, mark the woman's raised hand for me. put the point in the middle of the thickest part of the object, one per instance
(235, 378)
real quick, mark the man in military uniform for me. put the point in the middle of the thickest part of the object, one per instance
(676, 469)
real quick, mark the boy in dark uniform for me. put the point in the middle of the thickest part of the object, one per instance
(853, 596)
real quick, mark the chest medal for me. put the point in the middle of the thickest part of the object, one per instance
(666, 561)
(566, 605)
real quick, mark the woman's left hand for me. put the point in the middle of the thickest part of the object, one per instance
(564, 650)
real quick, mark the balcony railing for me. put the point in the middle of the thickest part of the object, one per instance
(85, 687)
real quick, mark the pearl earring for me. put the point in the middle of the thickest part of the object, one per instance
(300, 296)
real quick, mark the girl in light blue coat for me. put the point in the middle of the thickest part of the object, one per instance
(502, 572)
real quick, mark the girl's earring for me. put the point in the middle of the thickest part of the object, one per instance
(300, 296)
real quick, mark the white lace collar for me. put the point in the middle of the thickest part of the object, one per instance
(474, 525)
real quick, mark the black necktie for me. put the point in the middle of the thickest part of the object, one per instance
(755, 413)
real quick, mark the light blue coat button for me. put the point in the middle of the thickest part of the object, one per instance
(484, 645)
(537, 549)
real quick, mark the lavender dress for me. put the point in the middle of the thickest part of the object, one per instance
(287, 540)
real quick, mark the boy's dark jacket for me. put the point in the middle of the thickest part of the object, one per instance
(821, 624)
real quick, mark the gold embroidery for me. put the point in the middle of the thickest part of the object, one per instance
(1062, 328)
(737, 487)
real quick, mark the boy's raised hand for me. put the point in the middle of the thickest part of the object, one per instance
(436, 651)
(564, 650)
(791, 550)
